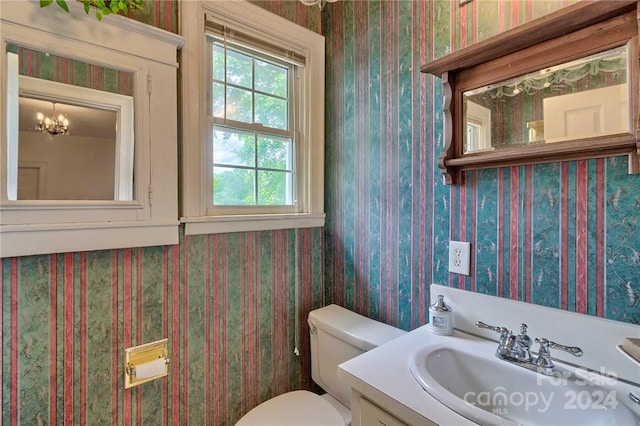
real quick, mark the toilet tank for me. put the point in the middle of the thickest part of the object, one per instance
(337, 335)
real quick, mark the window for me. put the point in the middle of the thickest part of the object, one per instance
(478, 128)
(253, 120)
(251, 125)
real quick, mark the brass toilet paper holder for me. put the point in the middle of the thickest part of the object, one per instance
(151, 361)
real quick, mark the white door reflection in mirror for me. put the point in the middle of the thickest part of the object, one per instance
(587, 114)
(94, 161)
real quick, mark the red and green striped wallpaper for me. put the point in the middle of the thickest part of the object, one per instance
(560, 234)
(46, 66)
(565, 235)
(233, 307)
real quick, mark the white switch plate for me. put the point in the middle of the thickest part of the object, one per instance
(459, 257)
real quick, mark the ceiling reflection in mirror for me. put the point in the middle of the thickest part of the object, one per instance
(79, 165)
(575, 100)
(72, 133)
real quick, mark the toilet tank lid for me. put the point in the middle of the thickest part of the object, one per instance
(355, 329)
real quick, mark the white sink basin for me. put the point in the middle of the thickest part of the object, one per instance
(466, 377)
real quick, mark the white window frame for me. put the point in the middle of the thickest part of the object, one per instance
(256, 128)
(196, 156)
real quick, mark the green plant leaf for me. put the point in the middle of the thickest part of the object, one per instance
(102, 6)
(113, 6)
(63, 5)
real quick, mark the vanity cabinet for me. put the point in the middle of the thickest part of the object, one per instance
(87, 69)
(385, 411)
(561, 87)
(371, 414)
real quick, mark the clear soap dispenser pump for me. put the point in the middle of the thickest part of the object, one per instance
(441, 317)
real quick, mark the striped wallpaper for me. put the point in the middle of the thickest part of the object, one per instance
(227, 303)
(295, 11)
(232, 306)
(564, 235)
(46, 66)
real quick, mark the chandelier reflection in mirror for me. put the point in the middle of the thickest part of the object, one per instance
(320, 3)
(54, 125)
(563, 77)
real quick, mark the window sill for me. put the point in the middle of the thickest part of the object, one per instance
(247, 223)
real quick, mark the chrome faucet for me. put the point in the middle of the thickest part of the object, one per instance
(524, 344)
(516, 349)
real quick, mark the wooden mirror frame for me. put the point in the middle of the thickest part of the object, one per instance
(573, 32)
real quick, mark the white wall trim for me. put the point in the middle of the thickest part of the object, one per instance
(246, 223)
(22, 240)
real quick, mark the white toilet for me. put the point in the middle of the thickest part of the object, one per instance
(337, 335)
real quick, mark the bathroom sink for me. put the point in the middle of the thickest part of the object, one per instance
(465, 376)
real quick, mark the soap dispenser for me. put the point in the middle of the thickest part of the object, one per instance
(441, 317)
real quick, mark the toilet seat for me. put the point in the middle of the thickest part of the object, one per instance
(297, 408)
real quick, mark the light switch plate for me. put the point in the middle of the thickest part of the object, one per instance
(459, 257)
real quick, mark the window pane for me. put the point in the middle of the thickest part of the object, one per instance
(218, 100)
(239, 69)
(239, 105)
(250, 168)
(233, 147)
(274, 152)
(273, 188)
(233, 187)
(271, 112)
(218, 62)
(271, 79)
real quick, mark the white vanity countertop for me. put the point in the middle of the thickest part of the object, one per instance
(383, 373)
(384, 377)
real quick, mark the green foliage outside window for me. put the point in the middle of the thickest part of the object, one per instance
(236, 185)
(250, 168)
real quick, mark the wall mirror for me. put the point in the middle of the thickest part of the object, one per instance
(580, 99)
(74, 98)
(564, 86)
(67, 141)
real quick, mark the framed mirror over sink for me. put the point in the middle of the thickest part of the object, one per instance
(561, 87)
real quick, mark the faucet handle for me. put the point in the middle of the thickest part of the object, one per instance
(546, 344)
(503, 331)
(507, 340)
